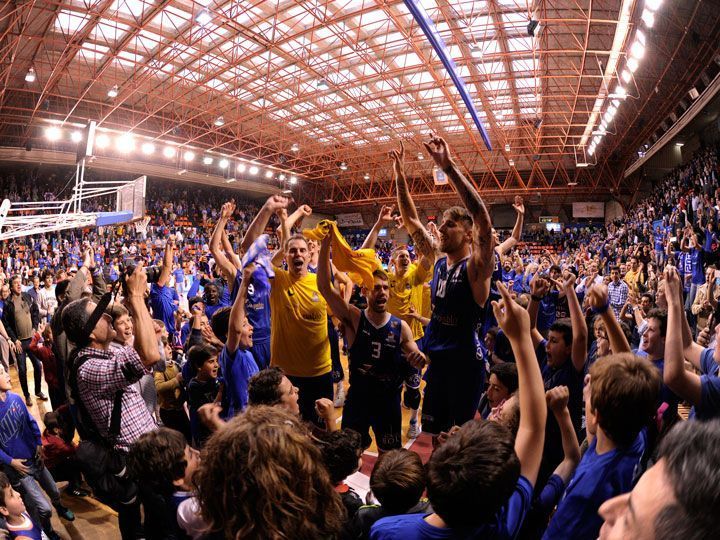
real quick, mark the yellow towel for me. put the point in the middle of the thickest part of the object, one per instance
(359, 264)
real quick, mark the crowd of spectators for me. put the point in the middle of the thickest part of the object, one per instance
(167, 376)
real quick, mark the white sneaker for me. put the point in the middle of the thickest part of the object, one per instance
(413, 431)
(339, 395)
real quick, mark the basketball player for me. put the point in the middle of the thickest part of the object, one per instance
(464, 254)
(381, 350)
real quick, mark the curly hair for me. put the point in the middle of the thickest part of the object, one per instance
(157, 459)
(262, 477)
(264, 387)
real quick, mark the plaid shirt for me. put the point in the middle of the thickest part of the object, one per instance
(618, 295)
(100, 377)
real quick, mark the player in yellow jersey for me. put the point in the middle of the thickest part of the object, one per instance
(406, 295)
(299, 332)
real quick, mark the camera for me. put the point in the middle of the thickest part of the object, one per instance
(153, 272)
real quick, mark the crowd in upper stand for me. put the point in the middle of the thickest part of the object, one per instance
(198, 359)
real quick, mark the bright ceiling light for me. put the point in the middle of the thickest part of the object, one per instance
(620, 91)
(507, 147)
(207, 160)
(125, 143)
(219, 121)
(420, 156)
(343, 166)
(637, 50)
(679, 144)
(148, 148)
(293, 180)
(76, 136)
(295, 147)
(281, 177)
(168, 152)
(597, 139)
(511, 162)
(268, 174)
(30, 75)
(366, 176)
(653, 4)
(189, 155)
(626, 76)
(591, 151)
(633, 64)
(223, 164)
(102, 141)
(203, 18)
(230, 180)
(648, 17)
(53, 133)
(113, 92)
(603, 124)
(253, 170)
(241, 167)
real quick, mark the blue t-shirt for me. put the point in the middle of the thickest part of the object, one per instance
(696, 259)
(19, 433)
(237, 368)
(547, 310)
(708, 381)
(257, 304)
(598, 477)
(162, 302)
(666, 395)
(414, 527)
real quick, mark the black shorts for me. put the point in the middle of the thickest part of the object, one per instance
(454, 386)
(373, 405)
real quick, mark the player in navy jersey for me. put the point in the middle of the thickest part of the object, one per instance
(381, 351)
(460, 289)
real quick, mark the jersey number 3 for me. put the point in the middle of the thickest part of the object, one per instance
(376, 349)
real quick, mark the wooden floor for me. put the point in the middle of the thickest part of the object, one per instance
(94, 520)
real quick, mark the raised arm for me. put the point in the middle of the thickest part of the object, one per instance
(539, 288)
(515, 322)
(340, 308)
(482, 260)
(511, 242)
(421, 237)
(557, 400)
(230, 252)
(597, 297)
(384, 219)
(145, 342)
(577, 320)
(216, 249)
(237, 313)
(681, 381)
(167, 262)
(274, 203)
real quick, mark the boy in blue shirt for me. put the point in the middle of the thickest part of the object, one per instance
(479, 482)
(620, 403)
(163, 299)
(20, 445)
(237, 364)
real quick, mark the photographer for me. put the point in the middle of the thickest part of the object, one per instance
(100, 378)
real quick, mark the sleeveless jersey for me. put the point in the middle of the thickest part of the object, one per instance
(257, 304)
(376, 353)
(455, 314)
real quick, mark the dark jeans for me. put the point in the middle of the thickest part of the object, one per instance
(310, 389)
(20, 357)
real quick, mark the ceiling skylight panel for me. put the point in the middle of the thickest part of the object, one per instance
(524, 65)
(481, 27)
(454, 128)
(491, 68)
(515, 23)
(134, 9)
(128, 58)
(496, 85)
(528, 82)
(189, 75)
(470, 8)
(519, 44)
(407, 60)
(109, 32)
(218, 85)
(171, 18)
(145, 40)
(528, 111)
(69, 22)
(241, 12)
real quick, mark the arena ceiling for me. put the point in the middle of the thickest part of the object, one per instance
(303, 86)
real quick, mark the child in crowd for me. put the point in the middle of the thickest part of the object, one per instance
(397, 482)
(163, 465)
(618, 407)
(18, 522)
(41, 346)
(204, 388)
(342, 451)
(20, 454)
(171, 395)
(59, 455)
